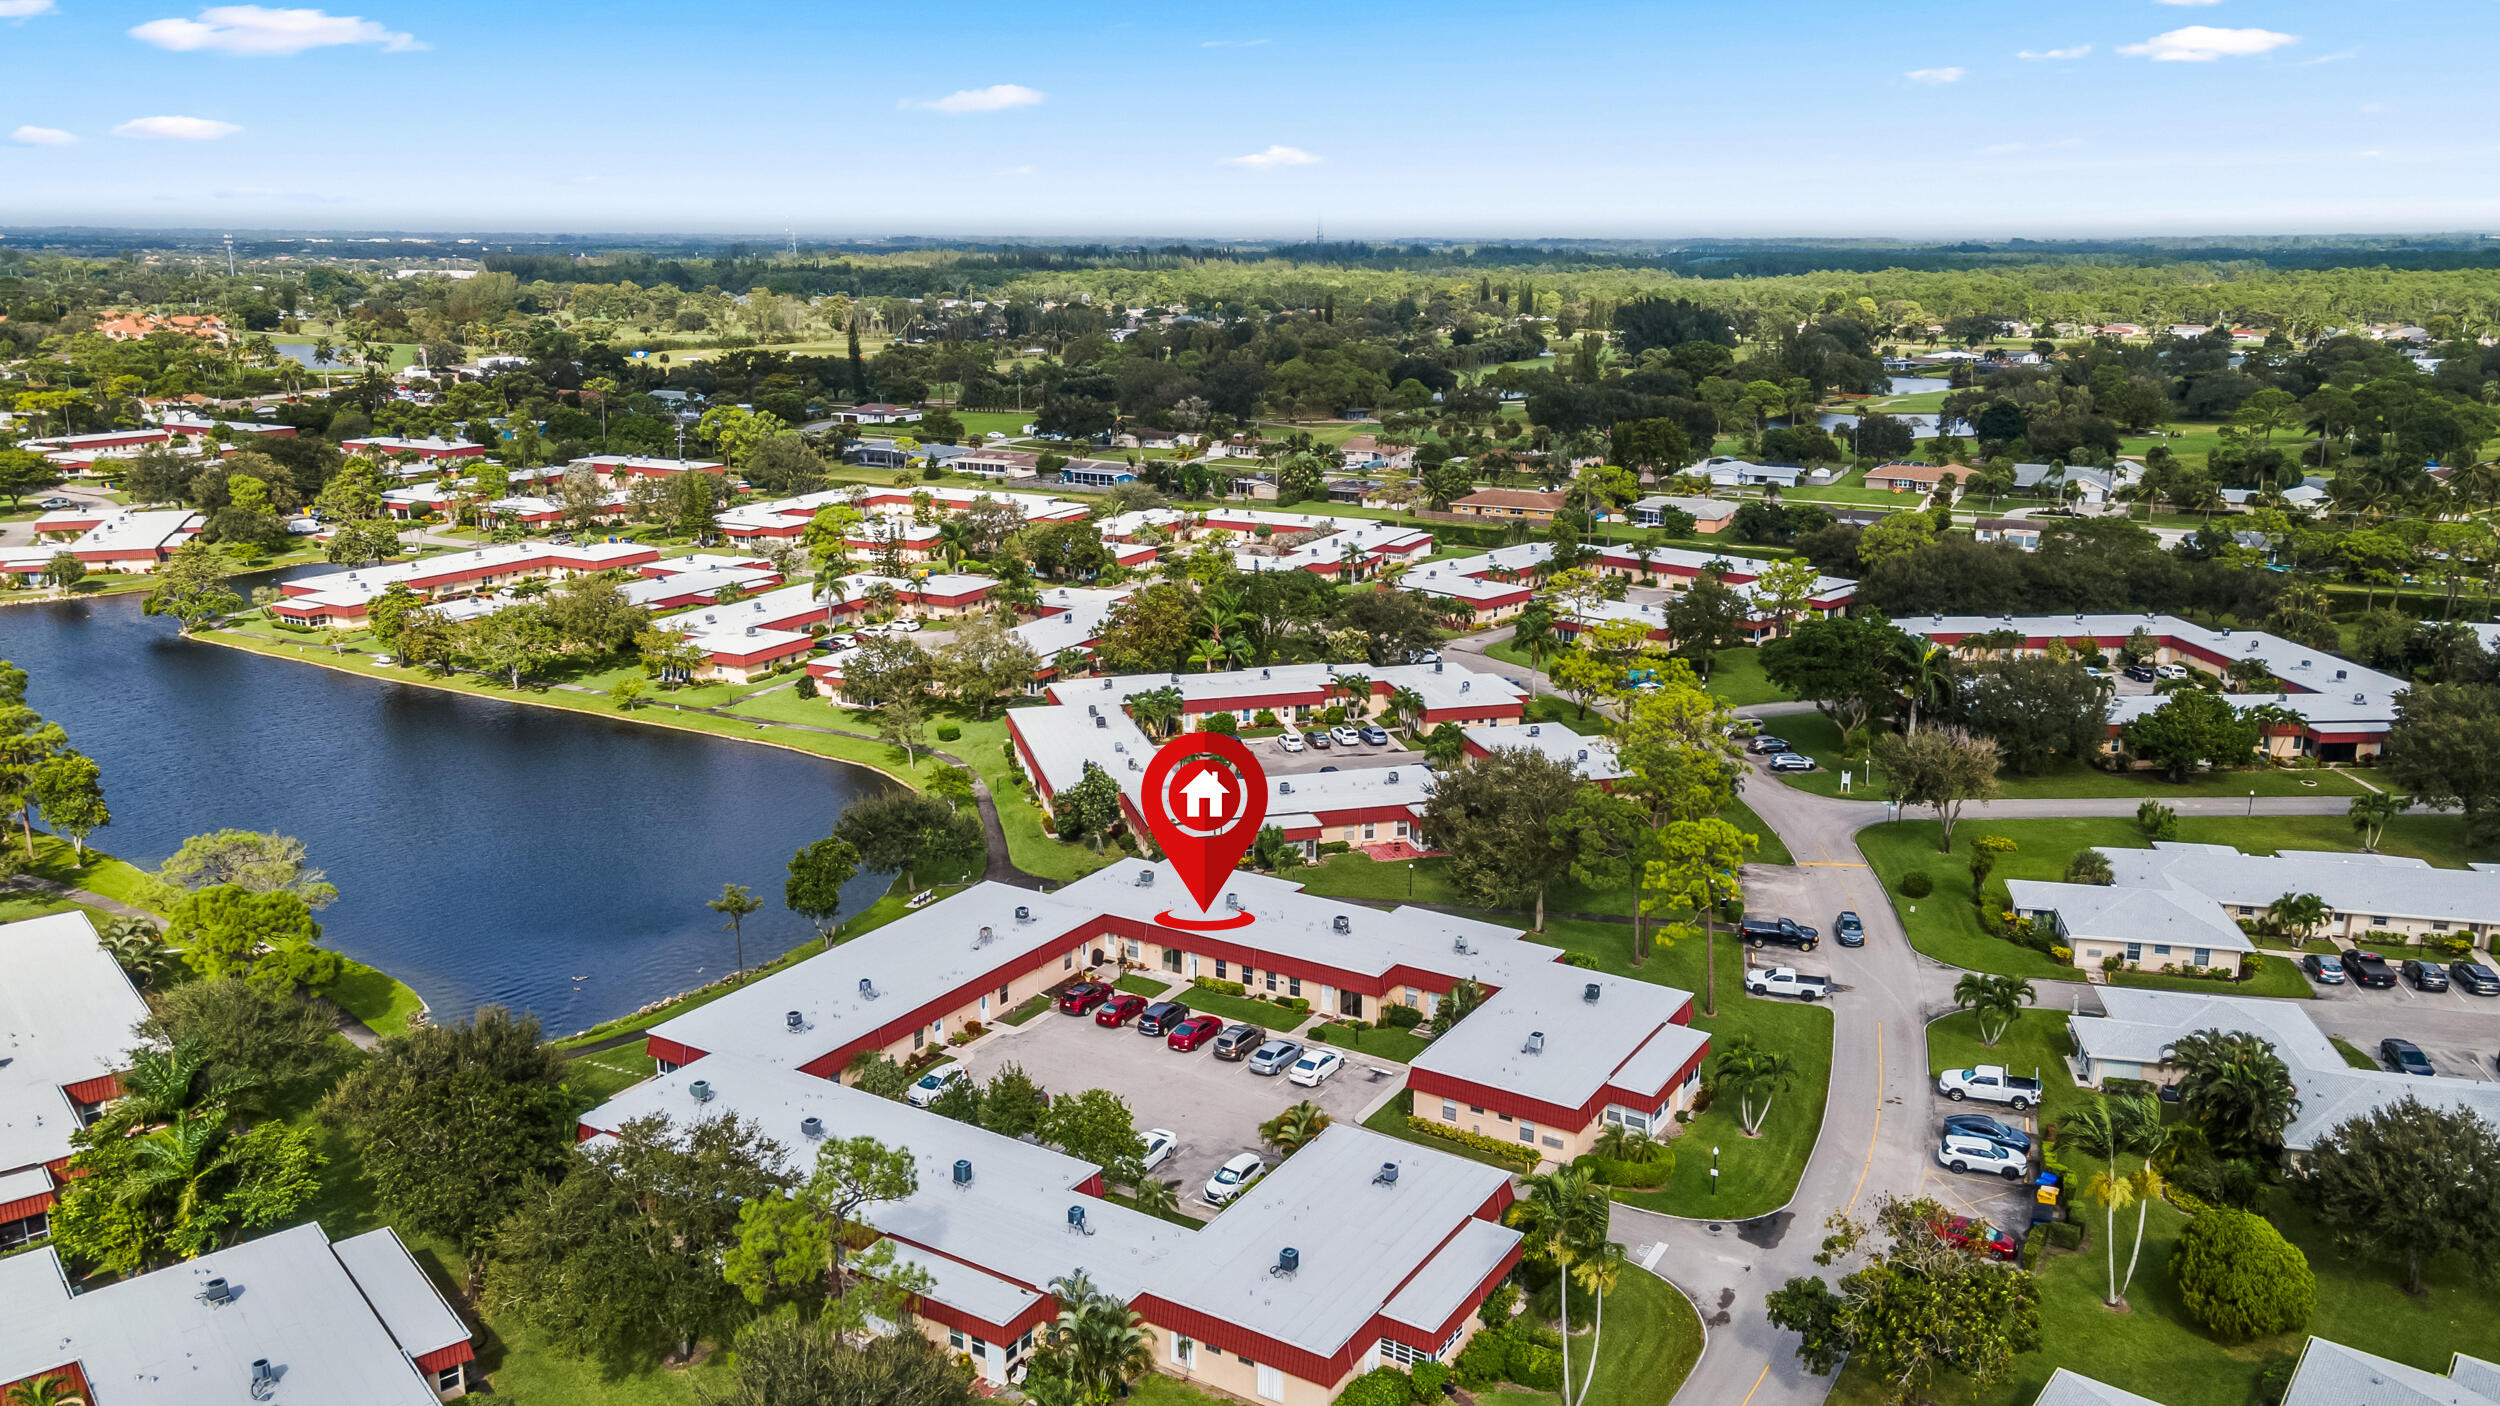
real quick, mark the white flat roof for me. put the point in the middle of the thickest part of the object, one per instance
(2382, 884)
(66, 1016)
(1592, 757)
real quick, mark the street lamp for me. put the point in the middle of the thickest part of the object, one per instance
(1714, 1171)
(2252, 803)
(1410, 878)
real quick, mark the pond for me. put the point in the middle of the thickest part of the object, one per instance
(484, 851)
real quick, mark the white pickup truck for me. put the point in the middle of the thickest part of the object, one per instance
(1989, 1083)
(1786, 981)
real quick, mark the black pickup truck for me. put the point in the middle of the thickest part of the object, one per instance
(1766, 932)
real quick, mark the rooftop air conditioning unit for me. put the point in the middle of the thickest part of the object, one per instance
(811, 1128)
(1436, 666)
(1145, 878)
(1343, 923)
(751, 630)
(264, 1379)
(701, 1089)
(1536, 1043)
(1263, 673)
(2357, 698)
(709, 618)
(867, 989)
(1120, 747)
(982, 939)
(795, 1021)
(2305, 663)
(1284, 788)
(1536, 729)
(1101, 721)
(1024, 914)
(963, 1171)
(1463, 683)
(1288, 1261)
(1393, 778)
(1458, 945)
(216, 1291)
(1588, 993)
(1076, 1220)
(2339, 676)
(1233, 901)
(1387, 1175)
(1106, 683)
(1093, 710)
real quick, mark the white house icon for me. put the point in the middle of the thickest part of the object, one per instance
(1206, 795)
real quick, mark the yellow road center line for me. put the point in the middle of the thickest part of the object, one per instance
(1757, 1385)
(1878, 1133)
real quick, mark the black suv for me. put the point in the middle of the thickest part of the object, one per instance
(2368, 968)
(1764, 932)
(2425, 976)
(2141, 673)
(1161, 1017)
(1238, 1041)
(2475, 977)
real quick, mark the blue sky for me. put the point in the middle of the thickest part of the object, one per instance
(1383, 120)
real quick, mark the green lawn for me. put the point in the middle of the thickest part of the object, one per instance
(1140, 984)
(1391, 1044)
(1652, 1339)
(1736, 679)
(2352, 1053)
(2036, 1043)
(2064, 779)
(98, 873)
(1243, 1010)
(376, 998)
(1945, 926)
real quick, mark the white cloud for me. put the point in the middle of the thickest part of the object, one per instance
(2202, 43)
(1273, 156)
(259, 32)
(2074, 53)
(1934, 75)
(176, 129)
(21, 9)
(42, 136)
(997, 97)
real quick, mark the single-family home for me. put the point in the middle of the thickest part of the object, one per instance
(1509, 503)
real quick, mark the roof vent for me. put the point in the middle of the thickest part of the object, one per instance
(1076, 1220)
(1106, 683)
(701, 1089)
(867, 989)
(1393, 778)
(2009, 619)
(216, 1291)
(1263, 673)
(1288, 1262)
(982, 939)
(2305, 663)
(963, 1171)
(1145, 878)
(1588, 993)
(1462, 684)
(1584, 754)
(1939, 617)
(795, 1021)
(1536, 1043)
(1284, 788)
(1093, 710)
(1120, 747)
(2357, 698)
(2339, 676)
(1387, 1175)
(811, 1128)
(1343, 923)
(1458, 945)
(2078, 617)
(2252, 646)
(1436, 666)
(1536, 729)
(1233, 901)
(1101, 721)
(1024, 914)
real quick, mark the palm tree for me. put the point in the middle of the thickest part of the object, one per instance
(2297, 914)
(1996, 1000)
(2236, 1088)
(1156, 1197)
(1926, 674)
(1617, 1143)
(134, 944)
(736, 901)
(1597, 1273)
(1407, 707)
(1563, 1214)
(163, 1084)
(47, 1391)
(832, 590)
(2371, 813)
(1754, 1074)
(1105, 1344)
(2112, 1193)
(1155, 709)
(2140, 1131)
(1533, 633)
(1292, 1130)
(1445, 745)
(1357, 689)
(175, 1163)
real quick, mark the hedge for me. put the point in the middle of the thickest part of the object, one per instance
(2066, 1234)
(1525, 1157)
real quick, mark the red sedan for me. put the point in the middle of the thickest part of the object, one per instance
(1978, 1237)
(1118, 1010)
(1193, 1032)
(1083, 997)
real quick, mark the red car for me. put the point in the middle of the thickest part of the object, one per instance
(1116, 1011)
(1082, 997)
(1978, 1237)
(1193, 1032)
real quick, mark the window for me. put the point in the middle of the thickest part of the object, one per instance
(980, 1348)
(1271, 1383)
(2135, 951)
(1410, 998)
(1404, 1356)
(2202, 956)
(1551, 1141)
(2439, 927)
(1271, 978)
(1474, 1108)
(1293, 986)
(1134, 950)
(1401, 831)
(1184, 1350)
(918, 1038)
(1527, 1132)
(955, 1339)
(1219, 969)
(1449, 1111)
(447, 1379)
(1026, 1342)
(2378, 922)
(1002, 996)
(1370, 831)
(1068, 962)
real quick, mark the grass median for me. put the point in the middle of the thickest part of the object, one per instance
(1817, 737)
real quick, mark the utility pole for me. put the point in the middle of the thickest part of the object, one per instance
(229, 256)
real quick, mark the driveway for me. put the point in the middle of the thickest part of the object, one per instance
(1216, 1106)
(1362, 756)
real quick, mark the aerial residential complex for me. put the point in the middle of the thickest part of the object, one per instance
(66, 1015)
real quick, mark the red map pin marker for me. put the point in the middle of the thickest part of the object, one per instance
(1205, 798)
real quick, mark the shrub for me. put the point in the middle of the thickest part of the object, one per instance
(1486, 1358)
(948, 732)
(2066, 1234)
(1318, 1036)
(1917, 884)
(1428, 1378)
(2062, 955)
(1518, 1155)
(806, 686)
(1223, 988)
(1299, 1005)
(1582, 960)
(1643, 1175)
(1263, 718)
(2240, 1278)
(2033, 1244)
(1401, 1017)
(1381, 1386)
(1335, 846)
(1221, 723)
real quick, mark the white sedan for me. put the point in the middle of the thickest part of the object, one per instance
(1234, 1177)
(1161, 1143)
(1345, 737)
(1315, 1066)
(935, 1082)
(903, 627)
(1291, 742)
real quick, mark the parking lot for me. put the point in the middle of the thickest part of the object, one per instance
(2003, 1204)
(1276, 761)
(2458, 1030)
(1215, 1106)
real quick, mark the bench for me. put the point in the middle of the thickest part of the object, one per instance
(920, 898)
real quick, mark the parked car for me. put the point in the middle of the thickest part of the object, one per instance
(1786, 981)
(2425, 976)
(1234, 1177)
(2404, 1056)
(1161, 1017)
(1957, 1153)
(1848, 931)
(2368, 968)
(1119, 1008)
(2170, 671)
(1275, 1056)
(1763, 932)
(2324, 968)
(2141, 673)
(1314, 1066)
(1083, 997)
(1976, 1236)
(1290, 742)
(2475, 977)
(1161, 1143)
(903, 627)
(1980, 1125)
(1237, 1041)
(1792, 761)
(1193, 1032)
(1345, 737)
(925, 1091)
(1989, 1083)
(1318, 739)
(1766, 744)
(1376, 736)
(54, 505)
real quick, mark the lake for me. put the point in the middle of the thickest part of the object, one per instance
(484, 851)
